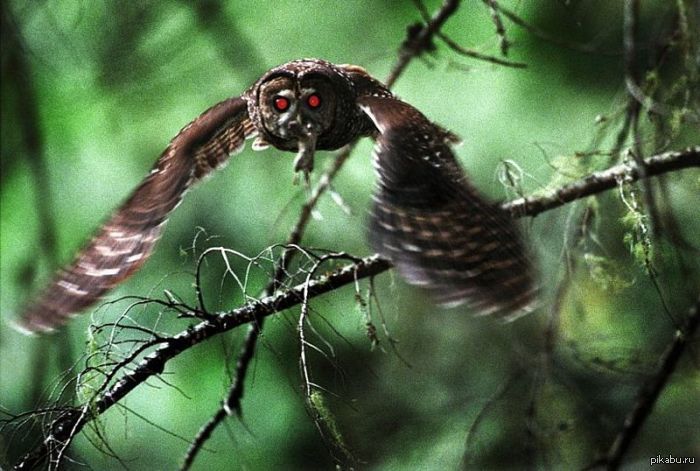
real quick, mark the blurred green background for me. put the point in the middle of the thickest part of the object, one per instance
(112, 82)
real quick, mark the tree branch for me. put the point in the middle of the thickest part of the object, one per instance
(61, 431)
(427, 45)
(553, 38)
(421, 40)
(504, 43)
(598, 182)
(232, 403)
(650, 391)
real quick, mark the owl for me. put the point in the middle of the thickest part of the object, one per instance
(427, 218)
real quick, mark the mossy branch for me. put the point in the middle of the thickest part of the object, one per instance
(61, 431)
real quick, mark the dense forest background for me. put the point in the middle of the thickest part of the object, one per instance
(92, 93)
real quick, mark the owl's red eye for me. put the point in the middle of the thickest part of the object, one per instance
(314, 101)
(281, 103)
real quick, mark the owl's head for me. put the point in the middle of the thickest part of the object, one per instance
(303, 103)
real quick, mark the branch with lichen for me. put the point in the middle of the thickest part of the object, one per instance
(419, 41)
(607, 179)
(70, 421)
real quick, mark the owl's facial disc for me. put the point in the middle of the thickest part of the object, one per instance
(297, 113)
(286, 113)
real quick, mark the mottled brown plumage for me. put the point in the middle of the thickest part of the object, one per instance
(427, 218)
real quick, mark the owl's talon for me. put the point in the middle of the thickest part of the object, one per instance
(304, 161)
(472, 251)
(306, 178)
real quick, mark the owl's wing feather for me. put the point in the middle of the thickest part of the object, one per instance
(433, 225)
(127, 238)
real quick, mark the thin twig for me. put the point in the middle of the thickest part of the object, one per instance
(421, 41)
(500, 29)
(232, 403)
(553, 38)
(310, 388)
(478, 55)
(63, 429)
(481, 415)
(427, 45)
(650, 391)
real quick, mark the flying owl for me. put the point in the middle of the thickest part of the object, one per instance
(427, 219)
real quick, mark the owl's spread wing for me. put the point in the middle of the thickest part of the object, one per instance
(433, 225)
(127, 239)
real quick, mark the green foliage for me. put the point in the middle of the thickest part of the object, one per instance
(114, 81)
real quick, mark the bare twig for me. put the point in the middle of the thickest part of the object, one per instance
(427, 45)
(553, 38)
(421, 40)
(481, 415)
(500, 29)
(478, 55)
(650, 391)
(62, 430)
(232, 403)
(312, 391)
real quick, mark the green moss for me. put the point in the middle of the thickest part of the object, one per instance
(606, 273)
(326, 420)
